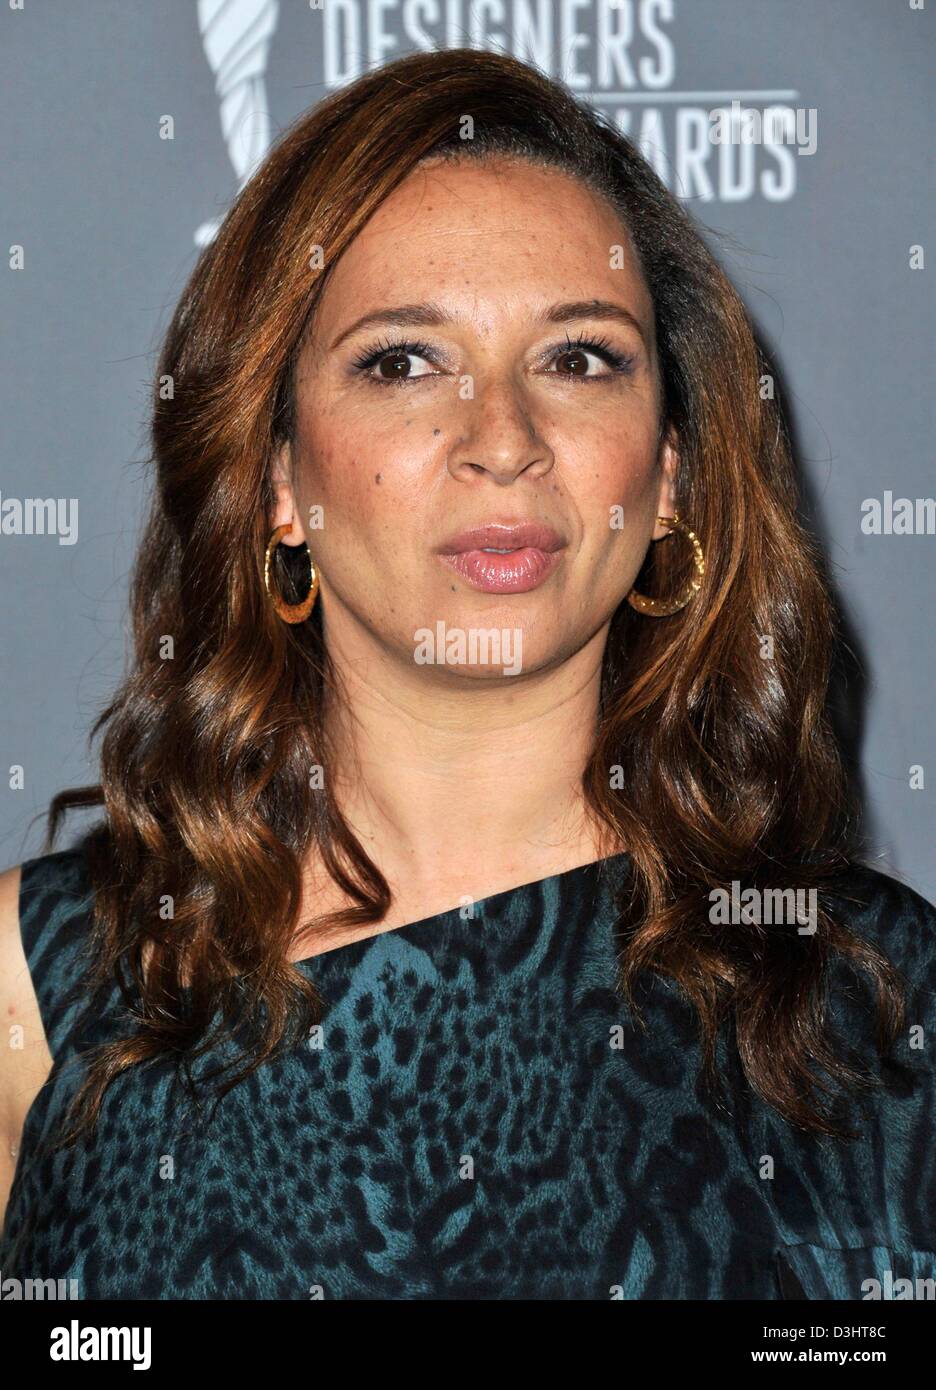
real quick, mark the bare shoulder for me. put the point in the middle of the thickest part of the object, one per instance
(25, 1060)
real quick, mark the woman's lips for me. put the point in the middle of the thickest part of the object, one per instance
(514, 572)
(507, 556)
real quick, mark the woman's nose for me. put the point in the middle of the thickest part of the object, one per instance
(496, 432)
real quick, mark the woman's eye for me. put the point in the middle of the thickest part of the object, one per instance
(574, 362)
(396, 362)
(396, 366)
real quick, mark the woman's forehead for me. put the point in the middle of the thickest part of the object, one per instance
(484, 245)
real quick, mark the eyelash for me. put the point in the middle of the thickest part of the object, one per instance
(620, 363)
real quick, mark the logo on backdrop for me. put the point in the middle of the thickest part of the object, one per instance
(620, 56)
(236, 37)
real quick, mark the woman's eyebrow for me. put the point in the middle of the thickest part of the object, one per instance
(595, 309)
(434, 316)
(407, 316)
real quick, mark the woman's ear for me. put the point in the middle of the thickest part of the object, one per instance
(669, 461)
(285, 510)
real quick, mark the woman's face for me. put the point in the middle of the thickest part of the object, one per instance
(507, 375)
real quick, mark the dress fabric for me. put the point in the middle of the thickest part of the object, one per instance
(480, 1117)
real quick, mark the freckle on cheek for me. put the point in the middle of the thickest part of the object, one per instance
(377, 478)
(436, 431)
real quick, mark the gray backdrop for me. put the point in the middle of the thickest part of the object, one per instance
(825, 236)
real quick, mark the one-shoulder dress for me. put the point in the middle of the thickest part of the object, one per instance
(480, 1116)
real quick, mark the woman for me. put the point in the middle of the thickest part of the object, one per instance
(474, 913)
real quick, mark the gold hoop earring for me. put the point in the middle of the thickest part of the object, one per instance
(289, 612)
(661, 608)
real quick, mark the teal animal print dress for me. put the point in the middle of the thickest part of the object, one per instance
(479, 1117)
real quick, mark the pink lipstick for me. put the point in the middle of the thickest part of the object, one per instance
(504, 557)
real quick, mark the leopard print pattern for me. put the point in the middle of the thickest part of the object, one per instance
(479, 1116)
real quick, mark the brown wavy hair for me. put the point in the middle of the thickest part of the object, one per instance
(727, 761)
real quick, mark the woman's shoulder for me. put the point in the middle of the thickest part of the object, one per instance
(892, 916)
(900, 922)
(46, 910)
(54, 888)
(29, 1013)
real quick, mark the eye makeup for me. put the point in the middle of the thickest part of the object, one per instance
(618, 363)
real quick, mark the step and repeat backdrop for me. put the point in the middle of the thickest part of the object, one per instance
(800, 134)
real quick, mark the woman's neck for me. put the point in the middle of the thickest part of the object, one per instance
(464, 785)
